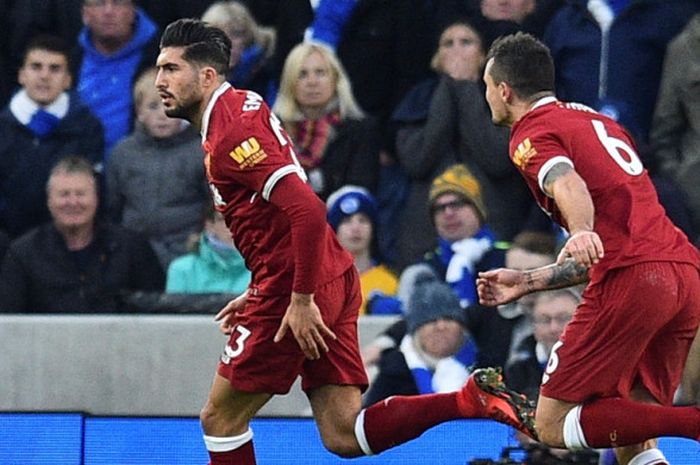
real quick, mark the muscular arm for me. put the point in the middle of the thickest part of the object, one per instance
(307, 218)
(571, 195)
(574, 201)
(503, 285)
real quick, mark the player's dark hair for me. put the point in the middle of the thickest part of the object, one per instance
(523, 62)
(203, 43)
(49, 43)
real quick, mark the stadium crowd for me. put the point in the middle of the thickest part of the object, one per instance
(384, 102)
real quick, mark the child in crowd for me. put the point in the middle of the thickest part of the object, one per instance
(155, 177)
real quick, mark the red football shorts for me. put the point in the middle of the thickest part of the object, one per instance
(635, 325)
(252, 362)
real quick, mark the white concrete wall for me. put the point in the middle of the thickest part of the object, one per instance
(122, 364)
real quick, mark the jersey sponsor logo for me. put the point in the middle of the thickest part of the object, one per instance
(248, 153)
(523, 153)
(252, 101)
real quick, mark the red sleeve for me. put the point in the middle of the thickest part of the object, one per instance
(307, 218)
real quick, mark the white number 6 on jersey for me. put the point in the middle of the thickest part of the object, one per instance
(614, 146)
(553, 362)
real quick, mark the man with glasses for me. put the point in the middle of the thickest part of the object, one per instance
(117, 42)
(551, 311)
(465, 243)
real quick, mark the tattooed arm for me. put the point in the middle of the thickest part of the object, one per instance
(497, 287)
(571, 195)
(583, 248)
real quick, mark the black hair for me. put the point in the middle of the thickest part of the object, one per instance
(48, 43)
(523, 62)
(203, 43)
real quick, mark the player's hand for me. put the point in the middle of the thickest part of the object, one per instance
(303, 318)
(500, 286)
(585, 247)
(227, 314)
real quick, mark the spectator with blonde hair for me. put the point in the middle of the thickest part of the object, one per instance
(251, 45)
(334, 142)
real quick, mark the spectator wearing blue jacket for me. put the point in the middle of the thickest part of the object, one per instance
(116, 44)
(609, 54)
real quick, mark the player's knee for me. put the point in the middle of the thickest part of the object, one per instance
(207, 416)
(341, 446)
(216, 422)
(549, 430)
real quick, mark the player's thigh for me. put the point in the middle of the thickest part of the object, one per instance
(661, 365)
(600, 351)
(335, 408)
(228, 411)
(689, 392)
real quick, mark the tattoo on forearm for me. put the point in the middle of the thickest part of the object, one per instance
(530, 282)
(555, 276)
(567, 274)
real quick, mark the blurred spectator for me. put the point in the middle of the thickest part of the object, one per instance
(251, 45)
(76, 263)
(155, 181)
(609, 54)
(498, 333)
(675, 131)
(436, 353)
(24, 20)
(445, 120)
(213, 266)
(466, 244)
(4, 244)
(164, 12)
(495, 332)
(42, 124)
(289, 19)
(551, 311)
(117, 42)
(329, 21)
(385, 48)
(352, 212)
(334, 142)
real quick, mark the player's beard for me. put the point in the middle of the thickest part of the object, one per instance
(186, 110)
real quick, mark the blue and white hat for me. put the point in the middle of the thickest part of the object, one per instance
(349, 200)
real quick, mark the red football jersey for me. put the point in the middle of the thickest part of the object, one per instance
(247, 151)
(629, 219)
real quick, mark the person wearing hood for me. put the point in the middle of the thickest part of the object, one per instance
(117, 42)
(436, 353)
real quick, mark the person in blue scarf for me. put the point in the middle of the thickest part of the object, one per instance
(436, 354)
(466, 244)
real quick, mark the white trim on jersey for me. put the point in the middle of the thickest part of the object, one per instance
(548, 165)
(276, 176)
(207, 111)
(543, 101)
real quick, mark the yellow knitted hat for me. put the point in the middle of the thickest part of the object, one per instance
(459, 180)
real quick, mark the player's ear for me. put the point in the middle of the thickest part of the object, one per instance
(209, 77)
(505, 91)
